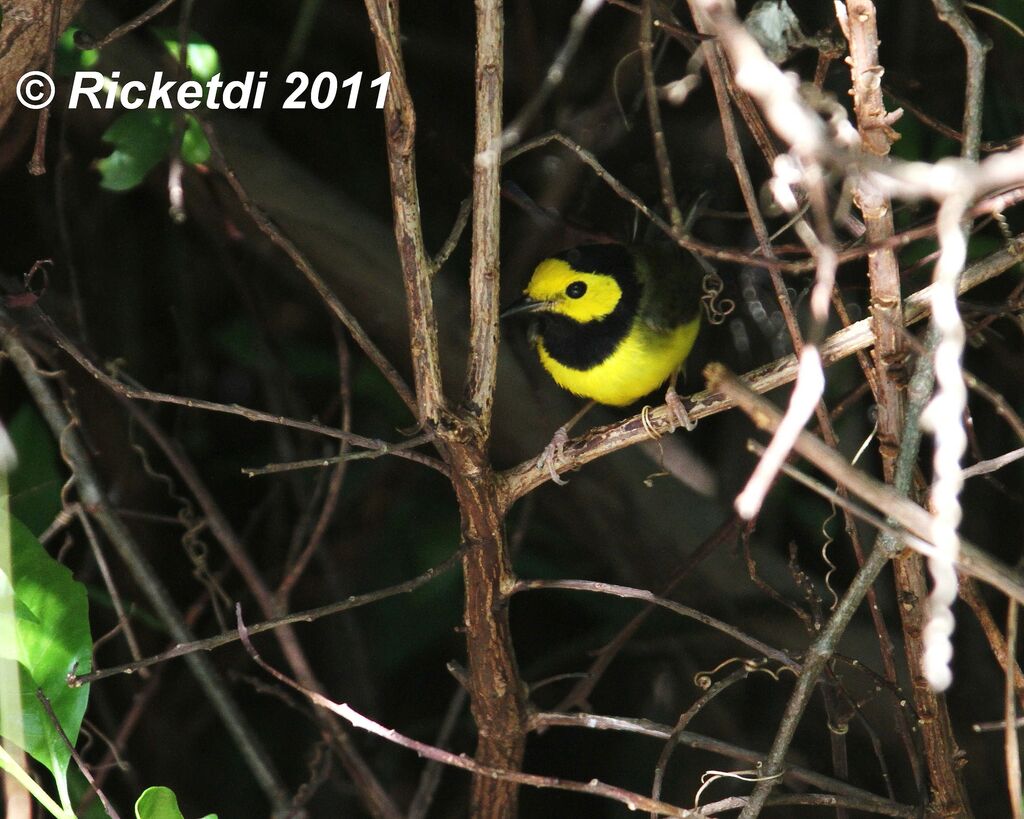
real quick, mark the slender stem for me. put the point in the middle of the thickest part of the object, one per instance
(860, 25)
(400, 125)
(953, 15)
(9, 765)
(817, 655)
(333, 303)
(91, 492)
(699, 742)
(661, 157)
(627, 592)
(1012, 746)
(45, 702)
(307, 616)
(482, 368)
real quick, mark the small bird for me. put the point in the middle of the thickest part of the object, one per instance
(614, 323)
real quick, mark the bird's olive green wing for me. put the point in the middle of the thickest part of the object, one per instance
(670, 286)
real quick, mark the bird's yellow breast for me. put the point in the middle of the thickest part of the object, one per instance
(642, 362)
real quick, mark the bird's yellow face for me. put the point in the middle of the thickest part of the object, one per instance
(582, 297)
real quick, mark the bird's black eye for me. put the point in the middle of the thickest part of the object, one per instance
(576, 289)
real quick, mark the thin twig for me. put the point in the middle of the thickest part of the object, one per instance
(123, 621)
(141, 394)
(37, 164)
(971, 595)
(699, 742)
(684, 720)
(330, 504)
(430, 778)
(132, 24)
(953, 15)
(633, 800)
(91, 493)
(998, 401)
(308, 616)
(1012, 746)
(580, 693)
(400, 126)
(333, 303)
(458, 226)
(992, 464)
(661, 157)
(556, 72)
(386, 448)
(595, 587)
(45, 702)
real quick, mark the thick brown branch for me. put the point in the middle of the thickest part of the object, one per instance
(497, 692)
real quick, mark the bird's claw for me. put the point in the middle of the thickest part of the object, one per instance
(552, 452)
(675, 404)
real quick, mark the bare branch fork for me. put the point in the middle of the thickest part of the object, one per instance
(497, 693)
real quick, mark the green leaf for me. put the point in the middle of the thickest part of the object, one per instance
(36, 481)
(51, 640)
(201, 57)
(141, 139)
(194, 148)
(159, 802)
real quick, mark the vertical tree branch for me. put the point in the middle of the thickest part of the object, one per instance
(952, 14)
(1013, 778)
(497, 694)
(400, 127)
(859, 23)
(661, 158)
(874, 125)
(720, 78)
(939, 742)
(484, 265)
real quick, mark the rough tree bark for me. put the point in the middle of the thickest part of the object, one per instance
(25, 42)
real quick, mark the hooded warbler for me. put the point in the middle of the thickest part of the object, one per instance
(614, 323)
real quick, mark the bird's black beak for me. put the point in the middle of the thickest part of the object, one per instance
(523, 305)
